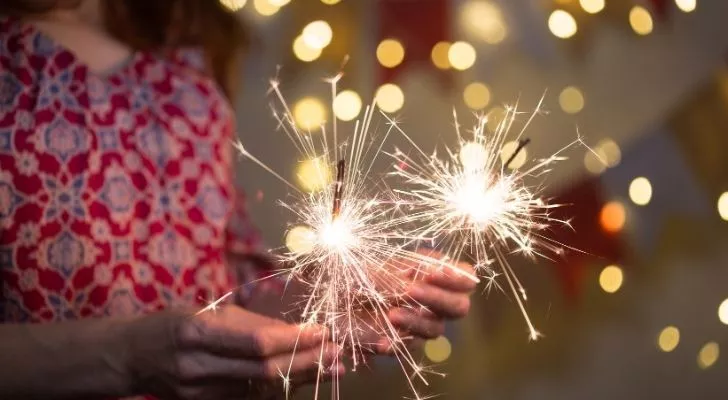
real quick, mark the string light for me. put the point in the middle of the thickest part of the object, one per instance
(640, 191)
(640, 20)
(309, 113)
(303, 52)
(686, 5)
(592, 6)
(476, 95)
(440, 55)
(571, 100)
(612, 217)
(562, 24)
(347, 105)
(438, 350)
(390, 53)
(314, 174)
(317, 34)
(509, 148)
(723, 206)
(484, 20)
(461, 55)
(723, 312)
(668, 339)
(611, 278)
(265, 7)
(233, 5)
(708, 355)
(389, 97)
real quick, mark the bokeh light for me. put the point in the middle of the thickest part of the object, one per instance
(507, 152)
(723, 312)
(612, 217)
(708, 355)
(461, 55)
(330, 2)
(300, 239)
(309, 113)
(438, 350)
(611, 278)
(592, 6)
(389, 97)
(495, 117)
(640, 20)
(279, 3)
(562, 24)
(476, 95)
(390, 53)
(233, 5)
(610, 152)
(317, 34)
(265, 7)
(440, 55)
(304, 52)
(640, 191)
(483, 20)
(314, 174)
(347, 105)
(668, 339)
(723, 206)
(686, 5)
(595, 163)
(571, 100)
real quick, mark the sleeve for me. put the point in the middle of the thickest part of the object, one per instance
(253, 268)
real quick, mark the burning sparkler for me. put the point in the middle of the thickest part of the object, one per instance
(472, 202)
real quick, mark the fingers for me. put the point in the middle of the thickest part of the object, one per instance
(421, 324)
(453, 277)
(444, 303)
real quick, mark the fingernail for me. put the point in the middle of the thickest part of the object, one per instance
(416, 291)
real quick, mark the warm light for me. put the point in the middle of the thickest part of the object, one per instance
(309, 113)
(723, 206)
(476, 95)
(641, 20)
(473, 156)
(337, 234)
(233, 5)
(562, 24)
(507, 152)
(595, 163)
(612, 217)
(303, 52)
(347, 105)
(330, 2)
(300, 240)
(610, 152)
(611, 279)
(484, 20)
(686, 5)
(390, 53)
(708, 355)
(438, 350)
(640, 191)
(495, 117)
(265, 7)
(461, 55)
(723, 312)
(314, 174)
(571, 100)
(317, 34)
(440, 55)
(389, 98)
(279, 3)
(592, 6)
(669, 339)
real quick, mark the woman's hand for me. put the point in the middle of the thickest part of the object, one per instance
(228, 353)
(438, 293)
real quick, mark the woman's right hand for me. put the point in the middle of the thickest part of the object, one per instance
(226, 353)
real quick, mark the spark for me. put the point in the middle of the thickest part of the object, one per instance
(472, 202)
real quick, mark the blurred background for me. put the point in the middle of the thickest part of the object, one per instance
(643, 313)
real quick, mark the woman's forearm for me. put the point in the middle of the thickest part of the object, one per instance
(79, 359)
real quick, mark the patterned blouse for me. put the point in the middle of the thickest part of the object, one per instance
(115, 190)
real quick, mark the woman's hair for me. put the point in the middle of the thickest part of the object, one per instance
(163, 25)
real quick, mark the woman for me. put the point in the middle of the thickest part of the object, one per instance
(115, 202)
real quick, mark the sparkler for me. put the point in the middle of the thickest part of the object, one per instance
(473, 202)
(354, 259)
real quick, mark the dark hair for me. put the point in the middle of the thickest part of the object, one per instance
(165, 24)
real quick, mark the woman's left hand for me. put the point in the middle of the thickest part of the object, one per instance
(443, 293)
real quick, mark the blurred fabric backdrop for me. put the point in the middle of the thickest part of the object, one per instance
(645, 82)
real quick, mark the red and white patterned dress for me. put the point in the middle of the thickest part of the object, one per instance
(116, 189)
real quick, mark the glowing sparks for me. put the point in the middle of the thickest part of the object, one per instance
(471, 203)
